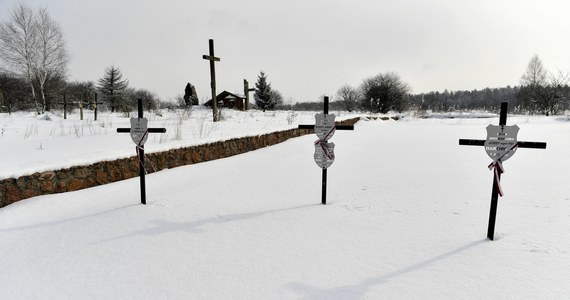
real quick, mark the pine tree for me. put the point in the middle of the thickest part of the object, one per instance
(111, 86)
(263, 93)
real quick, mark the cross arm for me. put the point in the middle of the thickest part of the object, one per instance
(521, 144)
(466, 142)
(211, 58)
(337, 127)
(150, 130)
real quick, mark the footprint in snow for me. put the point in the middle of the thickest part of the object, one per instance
(535, 248)
(352, 207)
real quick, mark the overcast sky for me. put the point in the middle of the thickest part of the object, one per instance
(309, 47)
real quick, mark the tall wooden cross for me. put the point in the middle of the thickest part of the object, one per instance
(324, 152)
(139, 133)
(246, 91)
(212, 60)
(501, 146)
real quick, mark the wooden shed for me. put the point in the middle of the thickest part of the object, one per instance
(230, 100)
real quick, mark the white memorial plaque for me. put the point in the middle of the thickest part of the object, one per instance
(324, 126)
(139, 127)
(324, 154)
(501, 138)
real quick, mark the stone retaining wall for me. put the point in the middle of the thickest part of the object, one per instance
(80, 177)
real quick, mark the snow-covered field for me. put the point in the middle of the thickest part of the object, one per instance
(406, 219)
(32, 143)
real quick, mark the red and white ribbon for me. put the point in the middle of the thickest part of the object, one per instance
(497, 167)
(329, 134)
(498, 170)
(140, 143)
(139, 147)
(324, 145)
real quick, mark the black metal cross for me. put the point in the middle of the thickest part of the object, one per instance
(140, 151)
(212, 60)
(497, 178)
(94, 105)
(64, 106)
(337, 127)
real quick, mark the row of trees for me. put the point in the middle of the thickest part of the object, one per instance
(115, 91)
(540, 92)
(33, 68)
(112, 90)
(486, 99)
(381, 93)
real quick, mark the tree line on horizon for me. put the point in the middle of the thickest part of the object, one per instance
(446, 101)
(33, 69)
(33, 76)
(539, 92)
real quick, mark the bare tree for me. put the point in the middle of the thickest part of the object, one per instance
(32, 46)
(52, 57)
(556, 93)
(131, 95)
(535, 74)
(81, 91)
(276, 98)
(18, 44)
(542, 92)
(349, 97)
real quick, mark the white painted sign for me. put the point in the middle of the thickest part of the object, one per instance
(139, 130)
(324, 154)
(500, 141)
(324, 126)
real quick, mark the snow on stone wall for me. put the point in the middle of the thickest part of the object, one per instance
(81, 177)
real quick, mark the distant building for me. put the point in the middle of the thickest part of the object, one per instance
(230, 100)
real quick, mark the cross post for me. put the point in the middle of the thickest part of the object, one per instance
(80, 103)
(142, 132)
(246, 91)
(323, 143)
(212, 60)
(94, 105)
(497, 176)
(64, 107)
